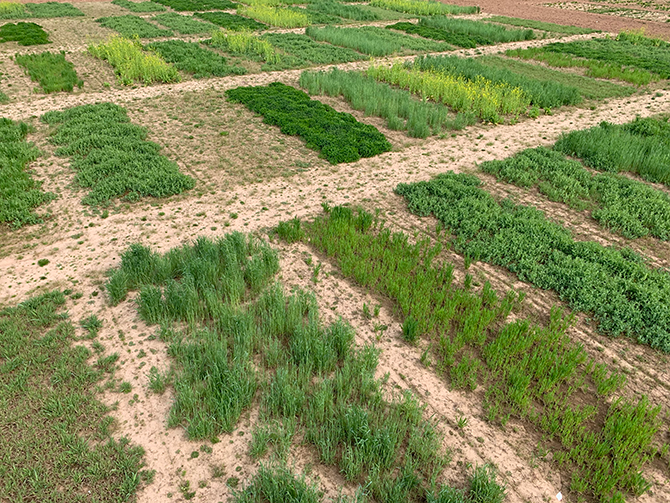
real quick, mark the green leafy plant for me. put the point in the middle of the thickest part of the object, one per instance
(53, 72)
(24, 34)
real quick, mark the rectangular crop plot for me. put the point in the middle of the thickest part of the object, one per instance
(132, 26)
(191, 58)
(139, 6)
(197, 5)
(112, 156)
(339, 136)
(303, 51)
(231, 21)
(424, 8)
(24, 34)
(53, 72)
(13, 10)
(186, 25)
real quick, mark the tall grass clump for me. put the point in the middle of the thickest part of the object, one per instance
(480, 32)
(24, 34)
(424, 7)
(641, 147)
(111, 156)
(231, 22)
(197, 5)
(401, 111)
(12, 10)
(628, 207)
(139, 6)
(487, 100)
(338, 135)
(132, 64)
(51, 391)
(273, 16)
(133, 26)
(20, 194)
(300, 51)
(53, 72)
(190, 57)
(543, 93)
(374, 41)
(186, 25)
(245, 42)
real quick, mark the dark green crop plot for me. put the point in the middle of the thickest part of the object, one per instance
(348, 11)
(189, 57)
(617, 287)
(317, 17)
(19, 193)
(641, 147)
(53, 72)
(111, 156)
(338, 136)
(139, 6)
(24, 34)
(231, 21)
(56, 435)
(628, 207)
(133, 26)
(186, 25)
(302, 51)
(197, 5)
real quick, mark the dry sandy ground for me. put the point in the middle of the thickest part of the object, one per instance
(250, 178)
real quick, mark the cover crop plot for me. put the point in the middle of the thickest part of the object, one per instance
(139, 6)
(191, 58)
(628, 207)
(112, 156)
(133, 26)
(231, 21)
(617, 287)
(186, 25)
(424, 7)
(246, 43)
(541, 25)
(48, 388)
(53, 72)
(303, 51)
(401, 111)
(375, 41)
(14, 10)
(641, 147)
(19, 193)
(273, 16)
(24, 34)
(197, 5)
(339, 136)
(347, 11)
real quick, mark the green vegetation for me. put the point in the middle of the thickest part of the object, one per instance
(15, 10)
(423, 7)
(139, 6)
(111, 156)
(12, 10)
(316, 17)
(588, 87)
(616, 287)
(231, 21)
(197, 5)
(542, 93)
(246, 43)
(596, 69)
(374, 41)
(628, 207)
(191, 58)
(401, 111)
(464, 32)
(19, 193)
(56, 434)
(530, 372)
(132, 64)
(541, 25)
(274, 16)
(302, 51)
(338, 136)
(347, 11)
(24, 34)
(641, 147)
(133, 26)
(186, 25)
(53, 72)
(278, 483)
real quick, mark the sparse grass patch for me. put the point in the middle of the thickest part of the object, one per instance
(191, 58)
(133, 26)
(186, 25)
(24, 34)
(53, 72)
(139, 6)
(231, 22)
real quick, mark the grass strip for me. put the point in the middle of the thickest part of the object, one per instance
(132, 64)
(337, 135)
(530, 372)
(53, 72)
(374, 41)
(139, 7)
(401, 111)
(20, 194)
(111, 156)
(423, 7)
(186, 25)
(197, 5)
(24, 34)
(189, 57)
(541, 25)
(627, 207)
(303, 51)
(641, 147)
(247, 44)
(56, 432)
(476, 32)
(133, 26)
(274, 16)
(231, 22)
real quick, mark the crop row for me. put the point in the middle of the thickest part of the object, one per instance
(530, 372)
(16, 10)
(111, 156)
(53, 72)
(338, 136)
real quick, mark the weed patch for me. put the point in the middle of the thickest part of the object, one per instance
(53, 72)
(133, 26)
(191, 58)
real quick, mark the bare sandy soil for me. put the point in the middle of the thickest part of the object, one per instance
(249, 178)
